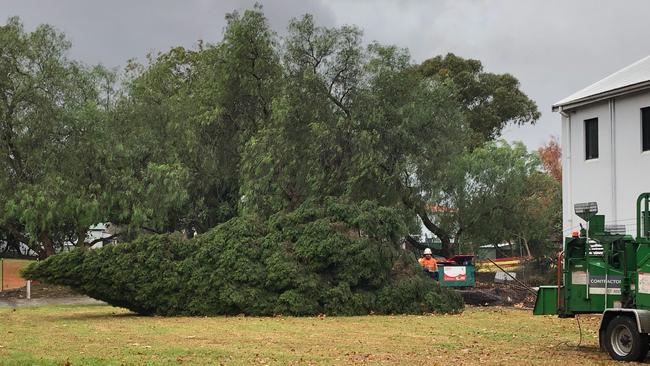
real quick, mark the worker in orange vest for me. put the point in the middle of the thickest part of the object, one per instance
(429, 264)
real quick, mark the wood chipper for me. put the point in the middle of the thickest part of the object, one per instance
(603, 270)
(457, 271)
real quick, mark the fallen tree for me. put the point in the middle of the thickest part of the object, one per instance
(329, 258)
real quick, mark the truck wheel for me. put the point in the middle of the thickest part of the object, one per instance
(623, 341)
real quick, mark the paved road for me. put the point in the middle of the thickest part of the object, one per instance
(76, 300)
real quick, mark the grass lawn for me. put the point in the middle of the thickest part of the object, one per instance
(103, 335)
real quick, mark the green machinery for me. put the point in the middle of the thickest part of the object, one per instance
(457, 271)
(603, 270)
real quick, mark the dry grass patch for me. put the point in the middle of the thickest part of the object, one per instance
(103, 335)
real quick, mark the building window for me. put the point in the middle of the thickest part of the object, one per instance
(591, 138)
(645, 129)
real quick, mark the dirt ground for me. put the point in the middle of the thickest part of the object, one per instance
(42, 295)
(493, 294)
(39, 291)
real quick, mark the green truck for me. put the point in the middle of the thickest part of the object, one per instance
(603, 270)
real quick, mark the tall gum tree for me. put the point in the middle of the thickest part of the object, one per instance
(352, 122)
(183, 122)
(489, 102)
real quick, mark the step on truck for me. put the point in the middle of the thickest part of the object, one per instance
(601, 269)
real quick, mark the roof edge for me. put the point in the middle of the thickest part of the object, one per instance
(628, 89)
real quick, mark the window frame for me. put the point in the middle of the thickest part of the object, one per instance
(645, 145)
(591, 122)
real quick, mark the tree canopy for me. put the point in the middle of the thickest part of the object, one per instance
(328, 258)
(51, 129)
(253, 125)
(551, 155)
(489, 101)
(500, 194)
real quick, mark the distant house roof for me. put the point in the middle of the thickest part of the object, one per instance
(98, 227)
(434, 208)
(630, 79)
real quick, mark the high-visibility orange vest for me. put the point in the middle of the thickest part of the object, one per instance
(431, 264)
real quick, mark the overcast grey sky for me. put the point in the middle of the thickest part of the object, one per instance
(554, 47)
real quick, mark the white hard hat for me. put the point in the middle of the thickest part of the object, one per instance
(427, 251)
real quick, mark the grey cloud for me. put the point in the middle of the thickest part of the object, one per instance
(111, 32)
(554, 47)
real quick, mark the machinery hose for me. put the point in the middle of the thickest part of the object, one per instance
(566, 343)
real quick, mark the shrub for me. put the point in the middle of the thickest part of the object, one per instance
(332, 258)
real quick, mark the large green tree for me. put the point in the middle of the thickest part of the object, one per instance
(182, 124)
(327, 258)
(489, 102)
(353, 122)
(367, 123)
(251, 124)
(314, 141)
(51, 133)
(499, 194)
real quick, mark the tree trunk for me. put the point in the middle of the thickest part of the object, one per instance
(526, 247)
(444, 237)
(457, 240)
(13, 243)
(81, 237)
(48, 245)
(497, 251)
(20, 237)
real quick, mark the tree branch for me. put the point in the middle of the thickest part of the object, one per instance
(419, 245)
(103, 240)
(150, 230)
(435, 229)
(340, 105)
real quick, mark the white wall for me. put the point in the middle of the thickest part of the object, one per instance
(586, 180)
(633, 165)
(620, 173)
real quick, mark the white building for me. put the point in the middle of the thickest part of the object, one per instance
(606, 146)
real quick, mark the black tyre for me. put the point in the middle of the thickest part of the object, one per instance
(623, 341)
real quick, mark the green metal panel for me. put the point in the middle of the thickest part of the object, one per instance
(596, 224)
(588, 283)
(546, 302)
(642, 217)
(641, 276)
